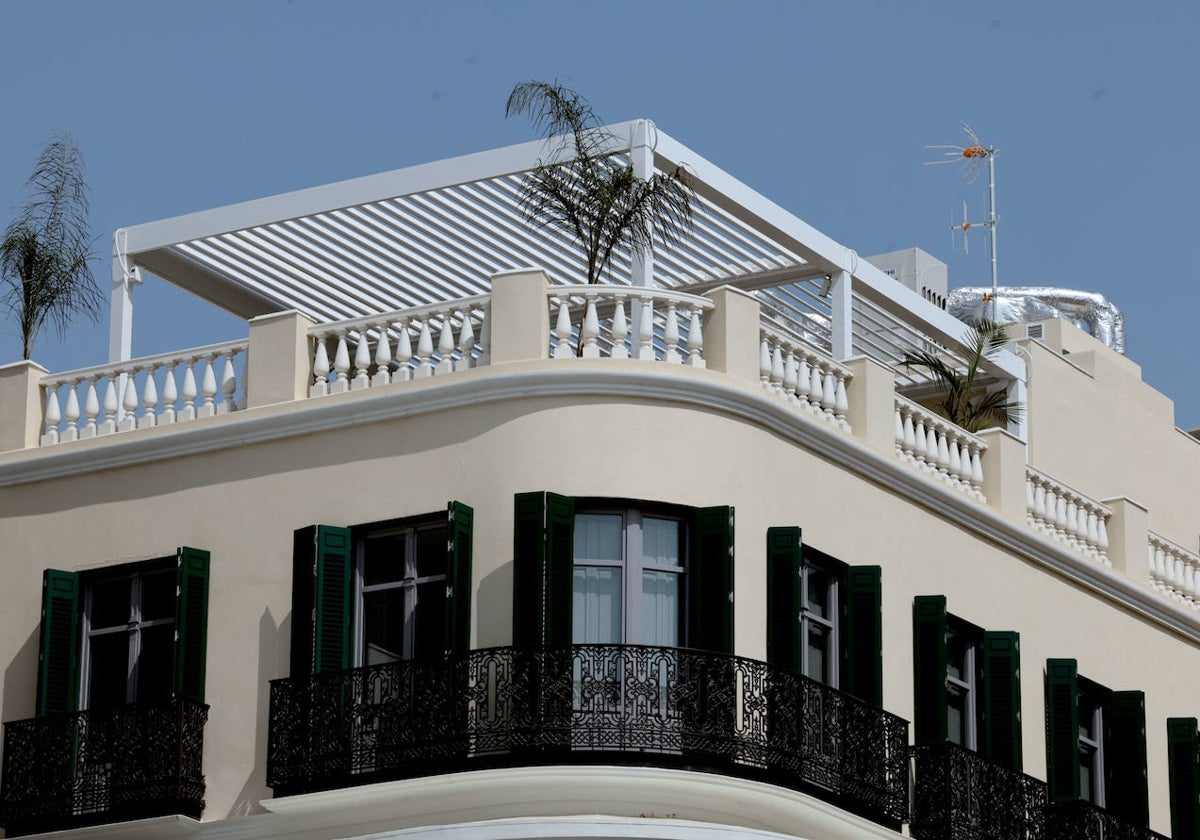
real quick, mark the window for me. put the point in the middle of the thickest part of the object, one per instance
(127, 634)
(609, 572)
(966, 684)
(1183, 752)
(629, 578)
(381, 592)
(823, 617)
(1095, 743)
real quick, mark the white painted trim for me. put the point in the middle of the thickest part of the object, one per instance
(608, 378)
(155, 828)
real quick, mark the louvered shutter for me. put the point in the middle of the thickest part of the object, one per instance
(1182, 750)
(460, 520)
(329, 605)
(1125, 759)
(784, 566)
(1002, 699)
(710, 623)
(929, 669)
(1062, 730)
(543, 568)
(191, 622)
(863, 636)
(560, 568)
(58, 645)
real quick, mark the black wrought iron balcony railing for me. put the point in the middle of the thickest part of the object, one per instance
(615, 704)
(102, 766)
(959, 795)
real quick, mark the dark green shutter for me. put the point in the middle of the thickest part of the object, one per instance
(863, 637)
(784, 566)
(560, 568)
(304, 558)
(929, 669)
(1062, 730)
(1182, 750)
(191, 622)
(1002, 699)
(58, 646)
(1125, 757)
(710, 622)
(332, 589)
(459, 527)
(543, 568)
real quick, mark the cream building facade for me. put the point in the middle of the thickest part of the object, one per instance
(684, 555)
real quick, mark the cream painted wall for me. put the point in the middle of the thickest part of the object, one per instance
(1096, 426)
(243, 504)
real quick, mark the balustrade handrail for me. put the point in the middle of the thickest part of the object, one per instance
(940, 423)
(514, 706)
(586, 290)
(411, 313)
(1159, 541)
(56, 380)
(1060, 487)
(780, 334)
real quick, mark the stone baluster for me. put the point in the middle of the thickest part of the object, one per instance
(170, 396)
(790, 370)
(404, 354)
(341, 366)
(764, 364)
(383, 358)
(804, 381)
(777, 368)
(190, 392)
(816, 386)
(841, 403)
(589, 331)
(110, 405)
(129, 402)
(445, 346)
(91, 410)
(466, 341)
(149, 401)
(52, 417)
(362, 362)
(228, 384)
(209, 390)
(696, 340)
(645, 339)
(424, 355)
(562, 332)
(485, 338)
(71, 413)
(619, 331)
(321, 368)
(671, 337)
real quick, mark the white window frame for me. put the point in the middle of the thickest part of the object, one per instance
(969, 686)
(1089, 699)
(831, 624)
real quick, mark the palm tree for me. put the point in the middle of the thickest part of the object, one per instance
(46, 250)
(585, 192)
(965, 402)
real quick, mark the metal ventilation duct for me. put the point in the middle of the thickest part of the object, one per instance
(1089, 311)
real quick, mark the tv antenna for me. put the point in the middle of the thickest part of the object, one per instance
(970, 160)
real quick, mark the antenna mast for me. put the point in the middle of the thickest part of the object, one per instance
(971, 159)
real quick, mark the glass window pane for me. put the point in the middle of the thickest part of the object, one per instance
(429, 620)
(660, 609)
(431, 552)
(383, 558)
(660, 541)
(154, 677)
(817, 585)
(596, 608)
(110, 603)
(158, 595)
(817, 664)
(598, 537)
(956, 716)
(956, 656)
(383, 626)
(108, 670)
(1086, 759)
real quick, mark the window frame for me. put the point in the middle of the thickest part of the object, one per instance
(970, 687)
(633, 563)
(819, 562)
(1093, 699)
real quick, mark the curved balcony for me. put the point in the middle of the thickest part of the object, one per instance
(102, 766)
(607, 704)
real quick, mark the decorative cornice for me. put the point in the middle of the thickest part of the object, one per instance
(609, 380)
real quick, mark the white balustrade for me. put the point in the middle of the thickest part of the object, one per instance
(141, 393)
(593, 322)
(1067, 516)
(938, 447)
(378, 349)
(804, 376)
(1174, 571)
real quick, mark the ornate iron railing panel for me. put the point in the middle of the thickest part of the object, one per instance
(1084, 821)
(959, 795)
(587, 703)
(102, 766)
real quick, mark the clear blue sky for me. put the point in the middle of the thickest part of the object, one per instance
(825, 107)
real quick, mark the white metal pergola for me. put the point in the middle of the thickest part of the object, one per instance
(439, 231)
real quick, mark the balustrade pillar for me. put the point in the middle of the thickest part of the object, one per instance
(21, 403)
(520, 328)
(731, 339)
(1127, 537)
(1003, 478)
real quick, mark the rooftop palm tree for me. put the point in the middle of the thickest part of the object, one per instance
(46, 249)
(966, 402)
(585, 192)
